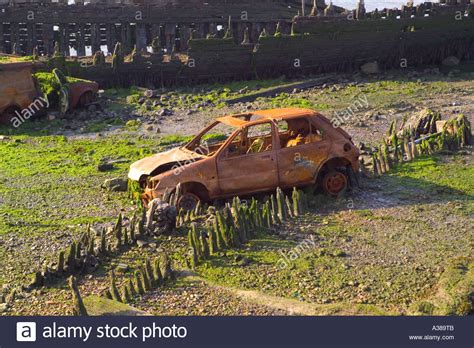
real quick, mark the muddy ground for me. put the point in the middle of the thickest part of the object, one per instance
(379, 250)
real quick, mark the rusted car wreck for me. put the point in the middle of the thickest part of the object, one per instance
(21, 96)
(251, 153)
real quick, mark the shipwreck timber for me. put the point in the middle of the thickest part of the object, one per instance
(176, 43)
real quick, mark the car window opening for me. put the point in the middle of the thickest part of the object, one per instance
(298, 131)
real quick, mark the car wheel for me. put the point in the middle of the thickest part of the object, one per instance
(188, 201)
(7, 116)
(86, 99)
(334, 183)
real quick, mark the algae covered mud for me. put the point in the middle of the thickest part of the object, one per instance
(402, 244)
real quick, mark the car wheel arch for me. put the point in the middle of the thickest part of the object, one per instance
(10, 110)
(197, 188)
(331, 164)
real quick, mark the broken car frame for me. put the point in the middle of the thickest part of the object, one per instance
(267, 149)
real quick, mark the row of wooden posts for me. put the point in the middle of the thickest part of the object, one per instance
(239, 222)
(85, 254)
(397, 148)
(150, 275)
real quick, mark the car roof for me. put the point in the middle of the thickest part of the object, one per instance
(263, 115)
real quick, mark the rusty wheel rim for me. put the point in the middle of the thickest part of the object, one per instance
(188, 202)
(335, 183)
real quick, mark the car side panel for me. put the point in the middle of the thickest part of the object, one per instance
(17, 88)
(203, 172)
(299, 165)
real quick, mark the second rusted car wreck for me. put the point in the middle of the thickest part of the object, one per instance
(249, 153)
(21, 96)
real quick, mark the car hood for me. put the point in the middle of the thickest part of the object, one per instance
(148, 165)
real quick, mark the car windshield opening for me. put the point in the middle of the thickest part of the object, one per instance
(210, 141)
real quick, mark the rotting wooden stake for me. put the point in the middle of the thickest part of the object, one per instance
(139, 283)
(157, 272)
(71, 260)
(78, 308)
(60, 268)
(113, 288)
(149, 274)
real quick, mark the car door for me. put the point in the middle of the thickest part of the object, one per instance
(299, 161)
(245, 169)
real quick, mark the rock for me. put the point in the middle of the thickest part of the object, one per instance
(105, 167)
(132, 123)
(92, 108)
(149, 128)
(161, 217)
(3, 307)
(451, 61)
(244, 90)
(122, 267)
(115, 185)
(4, 138)
(371, 68)
(82, 116)
(165, 112)
(423, 122)
(242, 260)
(142, 243)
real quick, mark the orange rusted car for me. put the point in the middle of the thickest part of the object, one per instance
(18, 90)
(251, 153)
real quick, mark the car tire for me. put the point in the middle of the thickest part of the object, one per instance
(188, 201)
(335, 183)
(8, 115)
(86, 99)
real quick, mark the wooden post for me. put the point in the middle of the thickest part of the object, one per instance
(111, 37)
(48, 39)
(113, 288)
(31, 41)
(95, 37)
(15, 38)
(140, 33)
(78, 305)
(81, 40)
(2, 41)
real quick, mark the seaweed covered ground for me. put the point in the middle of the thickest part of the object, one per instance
(402, 244)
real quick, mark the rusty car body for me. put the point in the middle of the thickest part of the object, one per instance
(18, 89)
(263, 150)
(75, 94)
